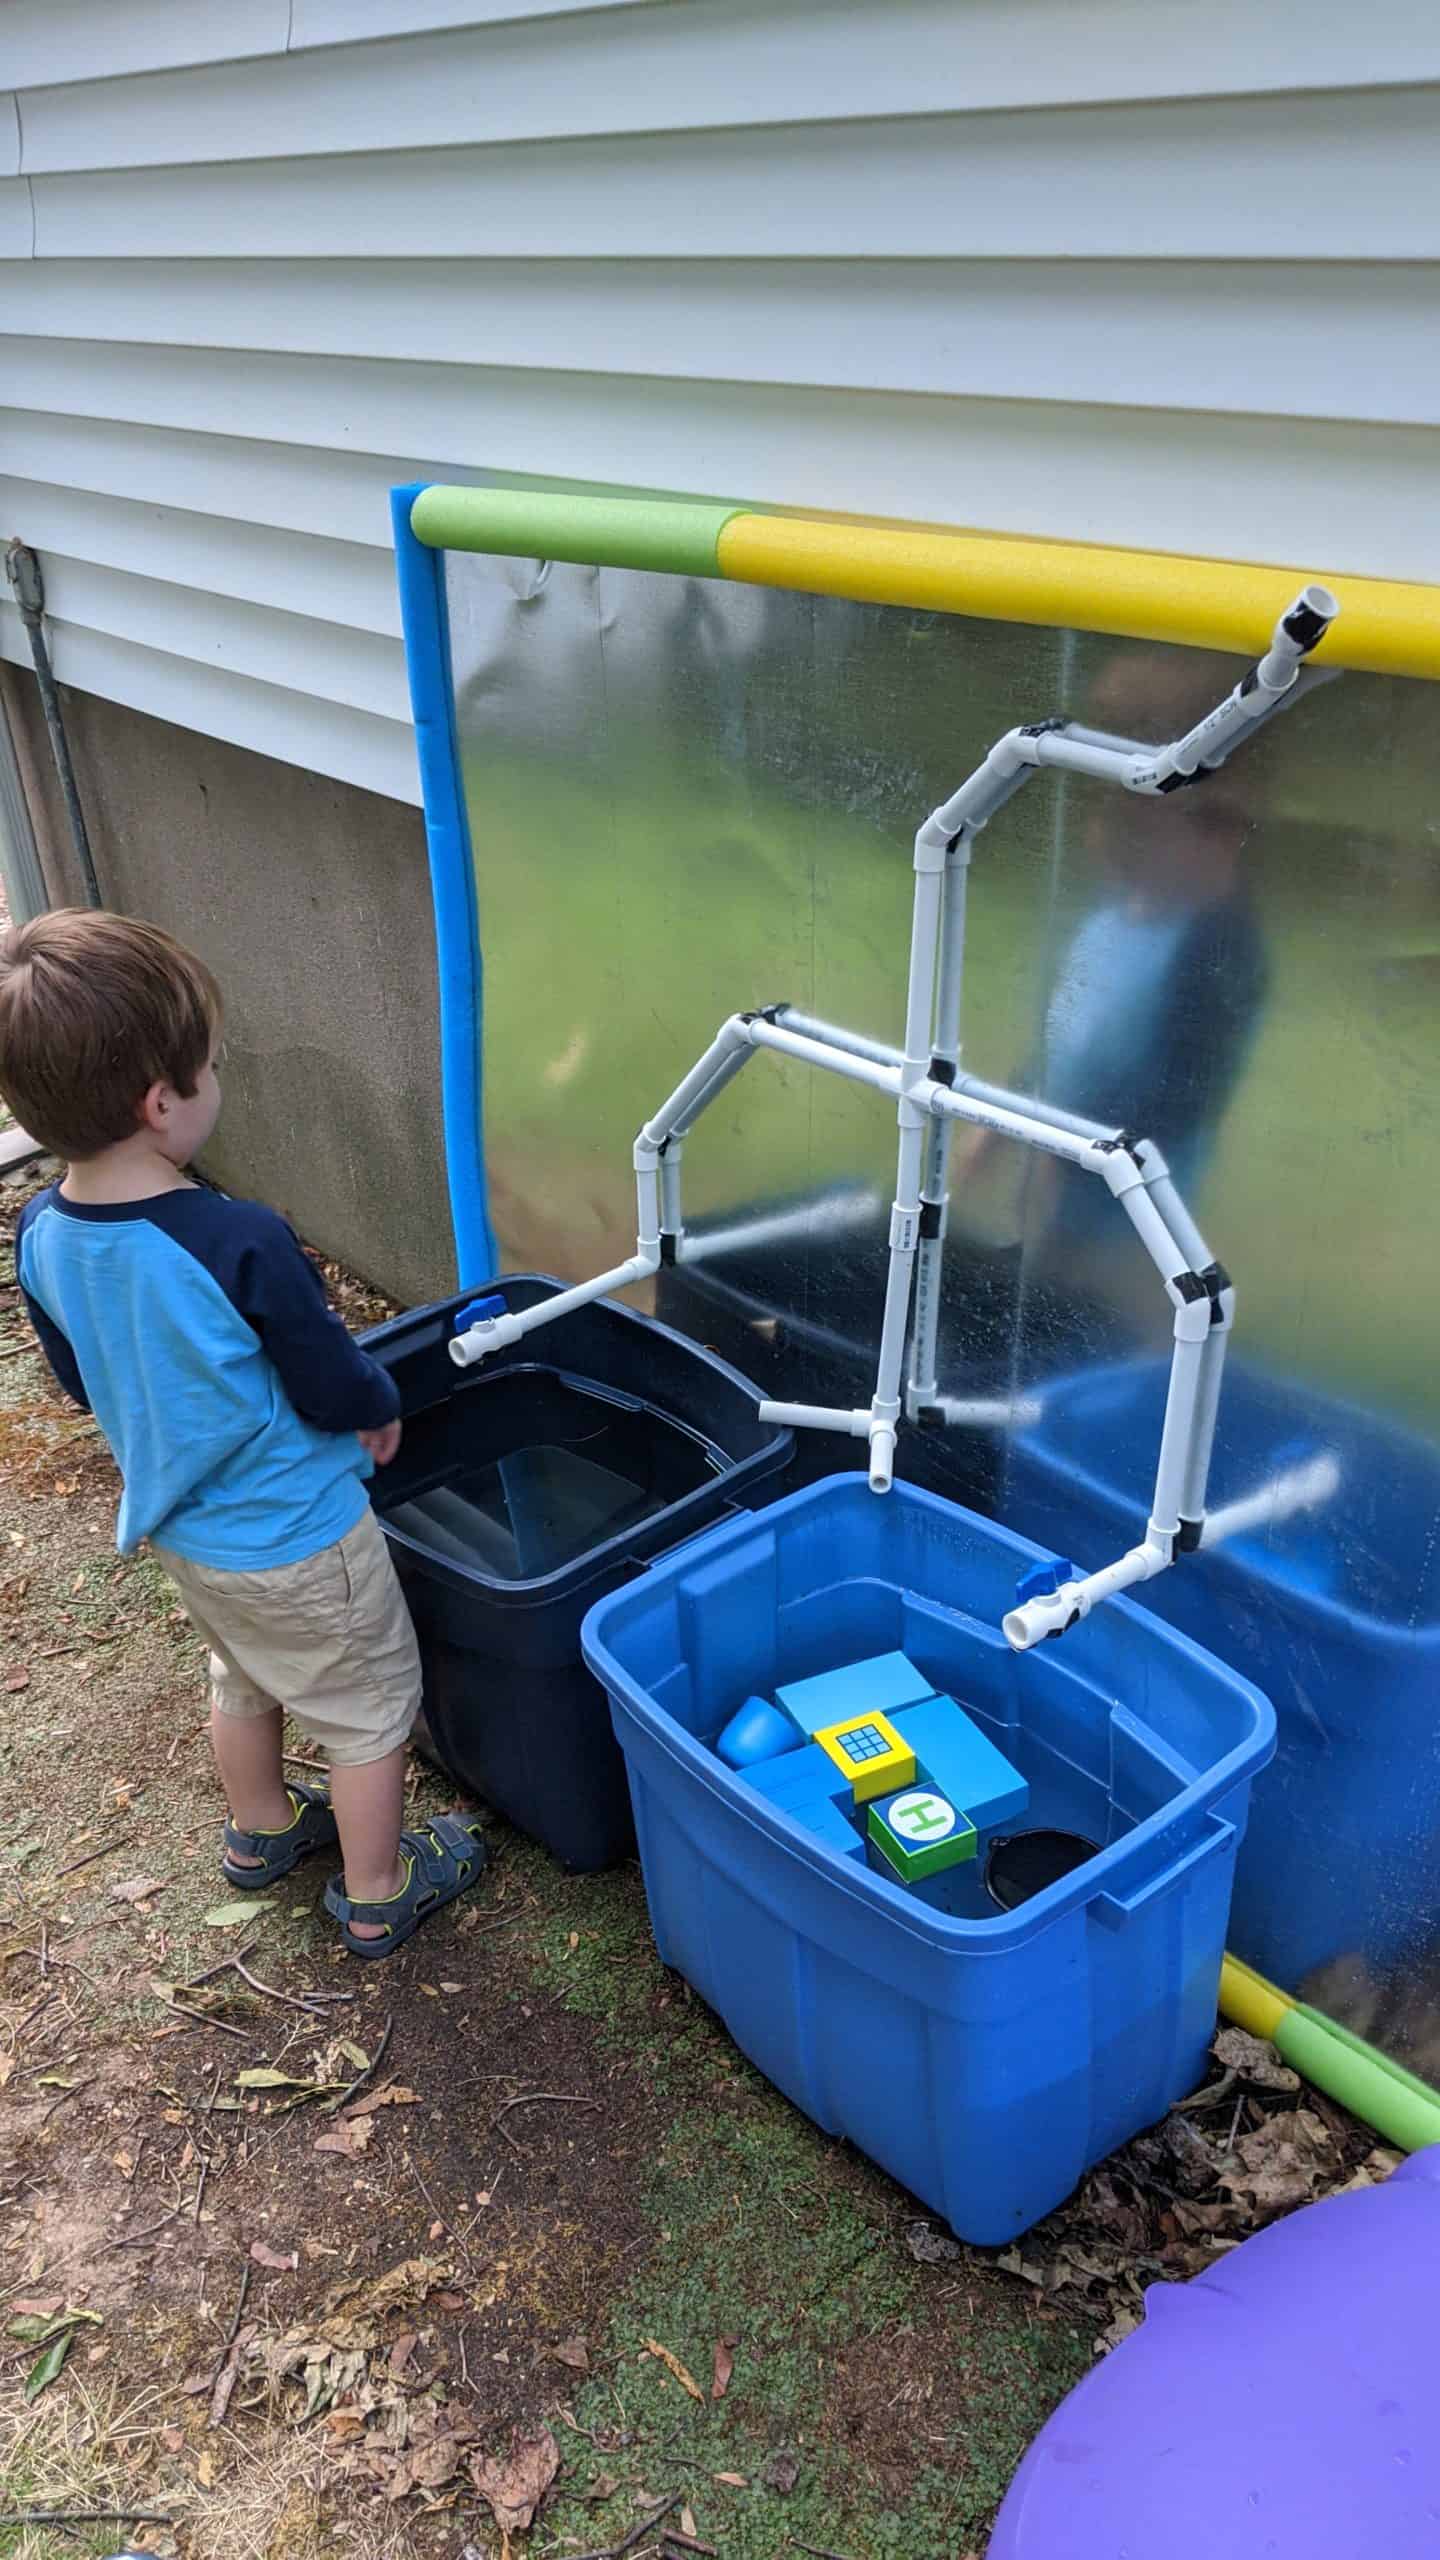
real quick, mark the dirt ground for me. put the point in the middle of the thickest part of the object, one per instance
(301, 2257)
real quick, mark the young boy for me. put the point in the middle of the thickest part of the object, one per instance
(242, 1417)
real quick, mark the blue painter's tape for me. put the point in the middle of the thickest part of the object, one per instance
(421, 576)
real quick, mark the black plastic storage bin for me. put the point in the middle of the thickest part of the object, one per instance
(525, 1489)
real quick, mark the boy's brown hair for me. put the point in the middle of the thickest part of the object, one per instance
(94, 1009)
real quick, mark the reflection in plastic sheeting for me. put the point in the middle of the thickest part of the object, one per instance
(686, 797)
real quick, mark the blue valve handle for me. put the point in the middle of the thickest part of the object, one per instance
(477, 1312)
(1043, 1579)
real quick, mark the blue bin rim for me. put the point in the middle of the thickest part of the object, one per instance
(628, 1545)
(1245, 1556)
(1130, 1865)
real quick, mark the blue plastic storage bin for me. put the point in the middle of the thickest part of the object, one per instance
(1335, 1615)
(985, 2061)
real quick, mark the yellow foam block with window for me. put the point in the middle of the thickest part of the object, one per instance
(870, 1753)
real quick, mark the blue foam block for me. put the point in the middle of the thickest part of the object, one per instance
(962, 1761)
(874, 1687)
(756, 1732)
(807, 1785)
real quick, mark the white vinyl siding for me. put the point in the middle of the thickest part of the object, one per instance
(988, 262)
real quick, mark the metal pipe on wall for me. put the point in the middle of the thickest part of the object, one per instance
(23, 570)
(25, 892)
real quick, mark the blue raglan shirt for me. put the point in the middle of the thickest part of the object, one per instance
(198, 1334)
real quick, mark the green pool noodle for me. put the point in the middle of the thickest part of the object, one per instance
(1380, 2092)
(676, 534)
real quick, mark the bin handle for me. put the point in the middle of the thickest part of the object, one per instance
(662, 1555)
(1114, 1910)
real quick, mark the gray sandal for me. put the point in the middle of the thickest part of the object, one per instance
(279, 1851)
(442, 1858)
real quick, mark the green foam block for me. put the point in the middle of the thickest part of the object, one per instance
(677, 534)
(918, 1832)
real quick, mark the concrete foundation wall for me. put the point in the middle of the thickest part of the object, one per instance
(311, 901)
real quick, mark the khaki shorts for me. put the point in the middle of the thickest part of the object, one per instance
(329, 1638)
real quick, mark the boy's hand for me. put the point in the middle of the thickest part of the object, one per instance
(382, 1444)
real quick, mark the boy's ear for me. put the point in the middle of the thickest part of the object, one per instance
(154, 1108)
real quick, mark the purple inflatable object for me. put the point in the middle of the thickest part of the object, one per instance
(1284, 2406)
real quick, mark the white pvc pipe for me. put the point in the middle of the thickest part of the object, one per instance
(981, 1413)
(1028, 1107)
(493, 1333)
(812, 1053)
(1148, 1224)
(818, 1417)
(728, 1052)
(1207, 1411)
(672, 1216)
(935, 1175)
(1178, 1431)
(924, 944)
(857, 1044)
(1173, 1210)
(1053, 1611)
(958, 1103)
(1065, 752)
(904, 1231)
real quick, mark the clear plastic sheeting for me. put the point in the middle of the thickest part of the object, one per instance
(687, 798)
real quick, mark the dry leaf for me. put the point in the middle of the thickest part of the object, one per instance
(730, 2479)
(603, 2486)
(265, 2256)
(724, 2367)
(687, 2522)
(1281, 2163)
(392, 2095)
(205, 2470)
(125, 2164)
(138, 1889)
(1254, 2060)
(402, 2351)
(367, 2298)
(780, 2471)
(673, 2365)
(229, 2373)
(513, 2489)
(574, 2352)
(17, 1679)
(41, 2307)
(349, 2136)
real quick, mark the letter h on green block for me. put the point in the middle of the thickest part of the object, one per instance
(918, 1832)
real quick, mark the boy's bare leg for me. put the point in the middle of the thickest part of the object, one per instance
(369, 1801)
(247, 1755)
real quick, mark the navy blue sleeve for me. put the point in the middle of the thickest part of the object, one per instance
(55, 1344)
(268, 1279)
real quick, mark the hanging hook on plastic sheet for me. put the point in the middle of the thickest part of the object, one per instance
(931, 1092)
